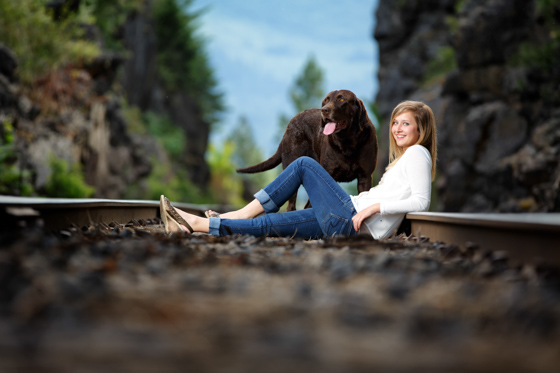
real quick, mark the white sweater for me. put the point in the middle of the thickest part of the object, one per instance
(406, 187)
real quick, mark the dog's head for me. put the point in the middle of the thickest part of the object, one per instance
(340, 110)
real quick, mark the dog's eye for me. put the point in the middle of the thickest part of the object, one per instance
(341, 99)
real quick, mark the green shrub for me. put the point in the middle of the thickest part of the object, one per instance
(133, 118)
(175, 185)
(226, 185)
(172, 137)
(41, 44)
(66, 181)
(13, 180)
(542, 55)
(440, 66)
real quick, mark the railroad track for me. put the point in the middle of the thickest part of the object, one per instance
(525, 237)
(57, 213)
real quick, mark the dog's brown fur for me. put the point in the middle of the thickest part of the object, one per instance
(348, 153)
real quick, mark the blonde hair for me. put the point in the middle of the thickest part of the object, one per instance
(426, 122)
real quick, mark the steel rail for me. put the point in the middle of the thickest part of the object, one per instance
(57, 213)
(524, 236)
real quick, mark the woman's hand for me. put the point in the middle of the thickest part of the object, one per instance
(359, 218)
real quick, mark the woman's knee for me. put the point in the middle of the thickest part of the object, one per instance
(305, 160)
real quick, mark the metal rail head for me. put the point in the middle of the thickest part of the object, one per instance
(525, 237)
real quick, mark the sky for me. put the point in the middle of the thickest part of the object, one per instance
(257, 49)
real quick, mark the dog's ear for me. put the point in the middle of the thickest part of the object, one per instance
(361, 114)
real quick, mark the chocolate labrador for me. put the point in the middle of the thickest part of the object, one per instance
(340, 136)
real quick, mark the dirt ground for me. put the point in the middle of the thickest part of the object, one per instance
(132, 299)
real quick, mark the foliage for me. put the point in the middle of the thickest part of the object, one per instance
(440, 66)
(373, 114)
(182, 60)
(41, 44)
(247, 151)
(171, 136)
(306, 92)
(542, 53)
(452, 23)
(542, 57)
(133, 118)
(13, 180)
(109, 16)
(175, 185)
(66, 181)
(226, 185)
(550, 10)
(460, 5)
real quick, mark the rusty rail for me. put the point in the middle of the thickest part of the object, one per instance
(525, 237)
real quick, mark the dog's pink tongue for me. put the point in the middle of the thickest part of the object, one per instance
(329, 128)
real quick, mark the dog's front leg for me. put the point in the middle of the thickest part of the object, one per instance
(364, 183)
(292, 203)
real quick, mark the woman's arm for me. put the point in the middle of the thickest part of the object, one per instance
(359, 218)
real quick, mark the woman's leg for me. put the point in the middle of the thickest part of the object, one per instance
(200, 224)
(249, 211)
(302, 223)
(332, 206)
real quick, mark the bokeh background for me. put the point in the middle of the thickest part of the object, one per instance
(136, 98)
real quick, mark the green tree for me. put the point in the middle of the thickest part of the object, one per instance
(182, 61)
(306, 92)
(40, 43)
(109, 16)
(247, 152)
(225, 184)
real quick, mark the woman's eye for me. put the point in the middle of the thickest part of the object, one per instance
(405, 123)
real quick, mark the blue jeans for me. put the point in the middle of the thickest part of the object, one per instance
(331, 213)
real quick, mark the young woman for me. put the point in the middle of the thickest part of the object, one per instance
(405, 187)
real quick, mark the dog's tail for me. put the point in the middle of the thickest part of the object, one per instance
(269, 164)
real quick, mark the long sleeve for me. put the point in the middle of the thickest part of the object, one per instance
(416, 171)
(406, 187)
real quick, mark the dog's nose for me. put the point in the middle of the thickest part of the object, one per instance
(326, 110)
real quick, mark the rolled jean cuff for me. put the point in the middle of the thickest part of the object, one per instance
(267, 203)
(214, 227)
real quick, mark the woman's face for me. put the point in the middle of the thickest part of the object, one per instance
(405, 130)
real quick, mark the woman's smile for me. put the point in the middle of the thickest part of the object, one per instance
(405, 130)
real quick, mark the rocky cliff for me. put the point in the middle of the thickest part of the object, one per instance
(489, 70)
(76, 114)
(144, 90)
(64, 117)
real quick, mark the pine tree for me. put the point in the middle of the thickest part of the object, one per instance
(306, 92)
